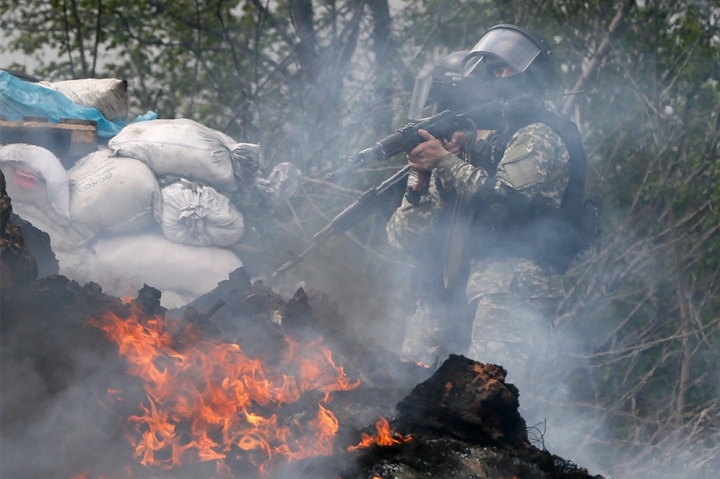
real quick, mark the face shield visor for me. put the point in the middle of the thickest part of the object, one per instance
(510, 46)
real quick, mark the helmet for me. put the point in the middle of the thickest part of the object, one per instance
(434, 92)
(524, 51)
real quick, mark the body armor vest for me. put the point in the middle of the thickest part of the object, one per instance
(509, 226)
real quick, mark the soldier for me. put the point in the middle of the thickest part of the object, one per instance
(442, 317)
(516, 191)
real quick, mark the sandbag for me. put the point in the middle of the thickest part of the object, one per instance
(113, 194)
(108, 95)
(199, 216)
(35, 175)
(185, 148)
(122, 264)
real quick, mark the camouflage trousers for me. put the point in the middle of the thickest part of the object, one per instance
(436, 330)
(514, 332)
(506, 329)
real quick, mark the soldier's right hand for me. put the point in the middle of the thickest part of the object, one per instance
(456, 144)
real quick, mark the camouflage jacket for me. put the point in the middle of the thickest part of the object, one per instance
(535, 164)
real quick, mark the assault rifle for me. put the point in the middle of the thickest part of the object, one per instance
(442, 125)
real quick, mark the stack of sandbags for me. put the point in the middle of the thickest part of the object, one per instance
(203, 168)
(112, 194)
(102, 220)
(38, 187)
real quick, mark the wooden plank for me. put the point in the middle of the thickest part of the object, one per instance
(69, 140)
(45, 125)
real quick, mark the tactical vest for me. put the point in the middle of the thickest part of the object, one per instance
(511, 226)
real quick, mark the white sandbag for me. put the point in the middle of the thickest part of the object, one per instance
(38, 188)
(113, 194)
(65, 234)
(122, 264)
(35, 175)
(199, 216)
(187, 149)
(109, 95)
(246, 159)
(246, 163)
(280, 185)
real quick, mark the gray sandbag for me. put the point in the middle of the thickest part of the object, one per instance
(113, 194)
(187, 149)
(200, 216)
(108, 95)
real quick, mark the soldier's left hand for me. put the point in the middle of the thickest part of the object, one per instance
(427, 155)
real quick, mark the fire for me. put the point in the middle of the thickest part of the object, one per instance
(207, 397)
(385, 437)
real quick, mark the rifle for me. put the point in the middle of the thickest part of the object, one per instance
(442, 125)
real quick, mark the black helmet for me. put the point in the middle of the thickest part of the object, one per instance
(524, 51)
(445, 76)
(433, 93)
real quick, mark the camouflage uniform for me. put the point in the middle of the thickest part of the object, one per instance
(515, 299)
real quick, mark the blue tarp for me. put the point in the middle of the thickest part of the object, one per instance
(19, 98)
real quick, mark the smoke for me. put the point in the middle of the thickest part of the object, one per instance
(555, 420)
(54, 377)
(370, 283)
(372, 294)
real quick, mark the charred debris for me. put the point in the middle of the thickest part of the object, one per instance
(458, 421)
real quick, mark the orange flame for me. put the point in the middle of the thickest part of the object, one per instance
(385, 437)
(209, 396)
